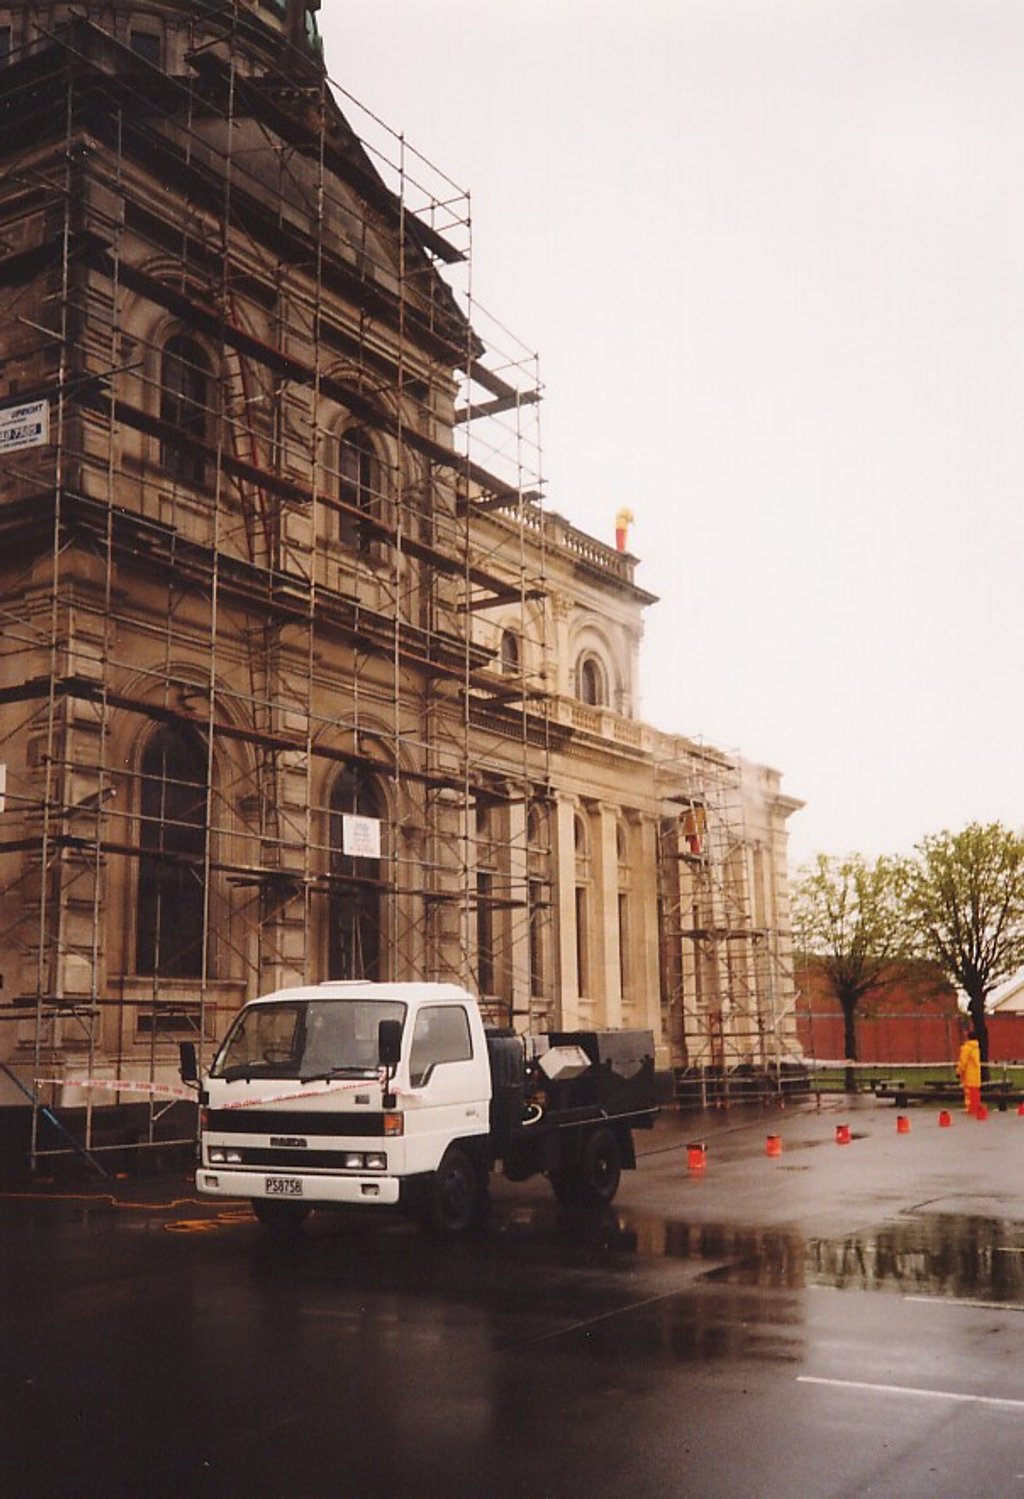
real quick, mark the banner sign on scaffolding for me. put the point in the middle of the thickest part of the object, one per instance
(26, 426)
(360, 836)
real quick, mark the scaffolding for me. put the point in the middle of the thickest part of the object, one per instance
(727, 967)
(273, 682)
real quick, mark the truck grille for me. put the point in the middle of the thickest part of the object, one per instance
(299, 1160)
(293, 1122)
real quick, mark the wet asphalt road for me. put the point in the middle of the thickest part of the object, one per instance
(837, 1320)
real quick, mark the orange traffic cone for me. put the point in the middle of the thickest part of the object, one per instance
(697, 1155)
(902, 1124)
(842, 1134)
(945, 1119)
(773, 1145)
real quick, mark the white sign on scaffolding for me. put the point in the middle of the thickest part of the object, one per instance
(360, 836)
(26, 426)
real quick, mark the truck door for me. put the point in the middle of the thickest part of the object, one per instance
(451, 1085)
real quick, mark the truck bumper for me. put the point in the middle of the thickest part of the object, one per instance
(218, 1181)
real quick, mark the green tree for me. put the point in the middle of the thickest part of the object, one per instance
(965, 895)
(848, 915)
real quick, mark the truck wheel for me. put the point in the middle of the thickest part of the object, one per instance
(600, 1167)
(456, 1200)
(280, 1217)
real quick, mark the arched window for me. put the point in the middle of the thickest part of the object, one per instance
(172, 863)
(590, 682)
(354, 935)
(186, 387)
(509, 653)
(358, 488)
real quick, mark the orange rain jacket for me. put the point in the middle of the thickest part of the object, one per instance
(968, 1064)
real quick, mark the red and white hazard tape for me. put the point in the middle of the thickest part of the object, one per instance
(174, 1090)
(113, 1085)
(259, 1103)
(256, 1103)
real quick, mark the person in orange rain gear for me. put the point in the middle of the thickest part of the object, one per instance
(968, 1070)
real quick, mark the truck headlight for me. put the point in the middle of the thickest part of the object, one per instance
(353, 1160)
(376, 1160)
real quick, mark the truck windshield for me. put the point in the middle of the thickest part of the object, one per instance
(306, 1039)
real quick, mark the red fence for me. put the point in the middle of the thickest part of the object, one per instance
(887, 1038)
(912, 1017)
(1006, 1038)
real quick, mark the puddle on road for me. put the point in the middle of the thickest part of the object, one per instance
(940, 1254)
(739, 1256)
(931, 1254)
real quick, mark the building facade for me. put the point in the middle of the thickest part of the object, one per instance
(299, 678)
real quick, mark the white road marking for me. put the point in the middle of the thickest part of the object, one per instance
(899, 1389)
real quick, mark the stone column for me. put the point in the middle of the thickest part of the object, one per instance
(646, 936)
(563, 895)
(518, 914)
(607, 985)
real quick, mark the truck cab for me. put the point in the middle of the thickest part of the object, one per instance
(300, 1110)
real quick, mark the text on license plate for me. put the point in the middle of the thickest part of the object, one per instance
(283, 1186)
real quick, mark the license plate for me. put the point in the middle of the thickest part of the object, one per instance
(283, 1186)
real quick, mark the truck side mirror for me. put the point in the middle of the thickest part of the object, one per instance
(389, 1043)
(187, 1065)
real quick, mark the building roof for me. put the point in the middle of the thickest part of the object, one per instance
(1008, 997)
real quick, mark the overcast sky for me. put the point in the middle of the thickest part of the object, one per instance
(771, 256)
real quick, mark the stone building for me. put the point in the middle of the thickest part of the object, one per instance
(299, 679)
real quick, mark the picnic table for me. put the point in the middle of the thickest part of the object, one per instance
(941, 1090)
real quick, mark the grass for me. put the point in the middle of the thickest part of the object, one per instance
(914, 1074)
